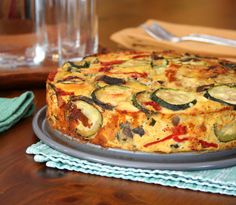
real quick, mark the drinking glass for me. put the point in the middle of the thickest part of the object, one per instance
(77, 29)
(59, 30)
(22, 33)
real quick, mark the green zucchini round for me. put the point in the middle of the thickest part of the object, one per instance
(139, 98)
(173, 99)
(108, 97)
(225, 133)
(93, 116)
(225, 94)
(75, 67)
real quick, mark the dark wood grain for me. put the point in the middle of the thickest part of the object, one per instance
(26, 77)
(24, 182)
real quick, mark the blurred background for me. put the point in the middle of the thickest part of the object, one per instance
(214, 13)
(115, 15)
(16, 18)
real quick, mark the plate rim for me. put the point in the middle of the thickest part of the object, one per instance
(132, 163)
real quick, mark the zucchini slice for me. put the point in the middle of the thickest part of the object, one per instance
(81, 97)
(71, 80)
(88, 117)
(225, 133)
(75, 66)
(110, 96)
(142, 101)
(225, 94)
(173, 99)
(189, 60)
(228, 64)
(111, 80)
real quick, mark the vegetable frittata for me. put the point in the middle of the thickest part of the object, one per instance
(146, 101)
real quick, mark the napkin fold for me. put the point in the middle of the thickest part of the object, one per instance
(222, 181)
(14, 109)
(137, 39)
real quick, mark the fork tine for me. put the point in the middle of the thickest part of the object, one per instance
(157, 32)
(150, 31)
(166, 34)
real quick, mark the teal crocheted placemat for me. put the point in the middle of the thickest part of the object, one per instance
(222, 181)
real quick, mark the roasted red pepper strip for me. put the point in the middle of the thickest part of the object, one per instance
(112, 62)
(105, 69)
(155, 105)
(177, 139)
(76, 114)
(155, 142)
(170, 74)
(179, 130)
(176, 131)
(140, 56)
(137, 75)
(207, 144)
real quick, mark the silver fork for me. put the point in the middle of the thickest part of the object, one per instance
(158, 32)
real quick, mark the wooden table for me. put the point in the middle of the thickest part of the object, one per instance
(22, 181)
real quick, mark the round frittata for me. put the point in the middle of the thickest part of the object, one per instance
(146, 101)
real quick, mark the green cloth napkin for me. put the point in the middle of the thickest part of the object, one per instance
(14, 109)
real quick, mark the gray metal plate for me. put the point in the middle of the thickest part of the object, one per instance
(95, 153)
